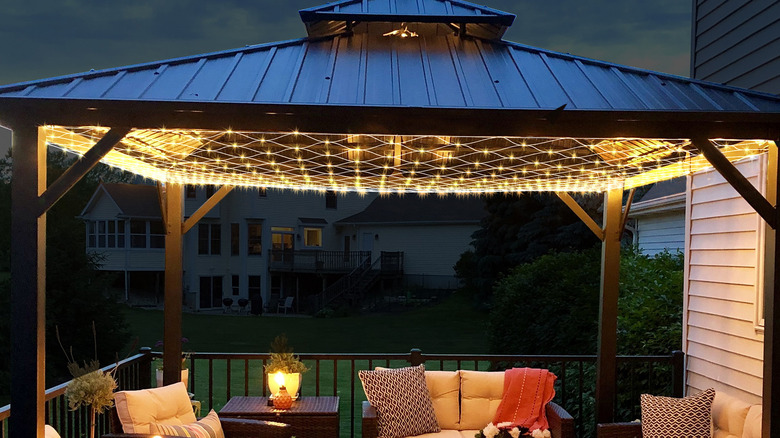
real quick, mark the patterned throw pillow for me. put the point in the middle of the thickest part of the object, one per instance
(207, 427)
(666, 416)
(402, 401)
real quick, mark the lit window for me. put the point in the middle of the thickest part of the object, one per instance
(255, 239)
(312, 237)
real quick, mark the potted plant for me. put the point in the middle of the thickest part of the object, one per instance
(185, 372)
(287, 365)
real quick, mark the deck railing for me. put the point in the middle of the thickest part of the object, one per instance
(131, 373)
(316, 260)
(215, 377)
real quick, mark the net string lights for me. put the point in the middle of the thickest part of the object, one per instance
(397, 164)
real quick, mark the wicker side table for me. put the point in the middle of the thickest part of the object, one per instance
(309, 417)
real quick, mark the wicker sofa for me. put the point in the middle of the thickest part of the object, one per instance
(466, 401)
(731, 417)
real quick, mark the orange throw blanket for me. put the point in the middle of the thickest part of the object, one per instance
(526, 393)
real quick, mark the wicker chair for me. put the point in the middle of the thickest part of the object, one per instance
(619, 430)
(232, 427)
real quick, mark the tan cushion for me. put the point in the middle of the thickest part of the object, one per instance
(444, 387)
(166, 405)
(469, 433)
(753, 423)
(207, 427)
(728, 415)
(481, 393)
(50, 432)
(445, 433)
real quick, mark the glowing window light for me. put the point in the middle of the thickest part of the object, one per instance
(373, 163)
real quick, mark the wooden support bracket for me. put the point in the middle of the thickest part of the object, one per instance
(582, 214)
(73, 175)
(205, 208)
(736, 179)
(627, 210)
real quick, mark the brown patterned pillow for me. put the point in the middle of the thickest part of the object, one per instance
(666, 416)
(402, 401)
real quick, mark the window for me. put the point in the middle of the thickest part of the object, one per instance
(106, 234)
(210, 292)
(189, 191)
(210, 191)
(234, 281)
(331, 200)
(156, 234)
(282, 244)
(255, 239)
(312, 237)
(262, 192)
(209, 239)
(255, 287)
(137, 234)
(234, 239)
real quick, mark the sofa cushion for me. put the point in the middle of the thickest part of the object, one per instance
(207, 427)
(728, 415)
(445, 433)
(166, 405)
(753, 423)
(480, 393)
(690, 417)
(444, 388)
(402, 401)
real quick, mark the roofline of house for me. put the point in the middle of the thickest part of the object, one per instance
(409, 223)
(675, 202)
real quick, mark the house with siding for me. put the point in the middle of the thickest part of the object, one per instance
(266, 245)
(735, 43)
(659, 218)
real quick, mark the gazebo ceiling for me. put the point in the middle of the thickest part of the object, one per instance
(397, 164)
(447, 110)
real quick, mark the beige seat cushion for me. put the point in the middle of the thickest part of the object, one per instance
(165, 405)
(444, 387)
(445, 433)
(50, 432)
(728, 415)
(481, 393)
(468, 433)
(753, 423)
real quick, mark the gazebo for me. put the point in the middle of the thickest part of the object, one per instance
(387, 96)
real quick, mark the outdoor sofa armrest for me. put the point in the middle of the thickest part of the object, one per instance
(619, 430)
(369, 421)
(561, 422)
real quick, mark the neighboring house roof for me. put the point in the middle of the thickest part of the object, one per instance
(435, 70)
(664, 196)
(418, 210)
(133, 200)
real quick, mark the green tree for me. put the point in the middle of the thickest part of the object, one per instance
(76, 292)
(516, 230)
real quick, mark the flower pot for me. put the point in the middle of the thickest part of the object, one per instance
(185, 377)
(291, 381)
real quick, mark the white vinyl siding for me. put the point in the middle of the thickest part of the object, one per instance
(661, 232)
(723, 346)
(736, 43)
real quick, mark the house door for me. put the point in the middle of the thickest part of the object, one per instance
(367, 242)
(210, 292)
(282, 244)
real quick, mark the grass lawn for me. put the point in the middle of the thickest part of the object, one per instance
(450, 326)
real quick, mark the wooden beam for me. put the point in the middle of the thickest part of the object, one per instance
(67, 180)
(736, 179)
(627, 210)
(582, 214)
(173, 285)
(205, 208)
(28, 283)
(770, 400)
(161, 201)
(606, 369)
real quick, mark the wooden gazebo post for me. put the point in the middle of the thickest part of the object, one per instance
(172, 215)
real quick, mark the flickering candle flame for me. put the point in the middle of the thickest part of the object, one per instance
(279, 378)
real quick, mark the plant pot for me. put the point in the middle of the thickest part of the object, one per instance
(291, 381)
(185, 377)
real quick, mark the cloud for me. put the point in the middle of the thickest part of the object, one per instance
(47, 38)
